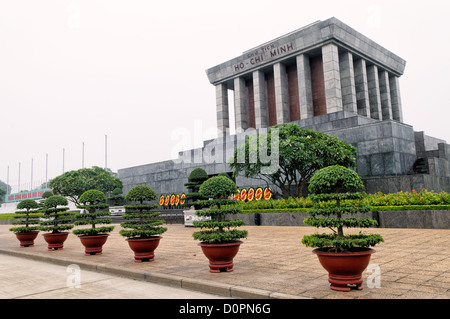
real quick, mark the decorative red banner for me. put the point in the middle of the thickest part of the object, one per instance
(172, 200)
(252, 194)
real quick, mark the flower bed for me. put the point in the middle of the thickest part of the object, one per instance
(423, 200)
(423, 197)
(424, 209)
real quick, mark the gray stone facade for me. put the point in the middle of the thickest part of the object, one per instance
(387, 155)
(362, 107)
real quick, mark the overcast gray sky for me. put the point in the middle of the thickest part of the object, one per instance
(73, 71)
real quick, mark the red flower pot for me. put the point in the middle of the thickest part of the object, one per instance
(93, 244)
(144, 248)
(55, 241)
(27, 238)
(220, 256)
(345, 269)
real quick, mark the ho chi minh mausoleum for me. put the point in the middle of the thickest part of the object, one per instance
(327, 77)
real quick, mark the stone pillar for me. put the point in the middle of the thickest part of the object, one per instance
(260, 98)
(332, 78)
(374, 92)
(304, 87)
(281, 93)
(385, 95)
(348, 82)
(240, 105)
(397, 113)
(362, 88)
(223, 120)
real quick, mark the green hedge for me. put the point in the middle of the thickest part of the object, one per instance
(411, 207)
(374, 208)
(275, 210)
(6, 216)
(423, 200)
(423, 197)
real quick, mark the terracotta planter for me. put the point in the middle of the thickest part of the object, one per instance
(144, 248)
(220, 256)
(56, 241)
(93, 244)
(27, 238)
(345, 269)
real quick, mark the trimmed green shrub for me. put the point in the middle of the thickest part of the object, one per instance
(276, 210)
(423, 197)
(94, 202)
(411, 207)
(338, 184)
(56, 216)
(198, 175)
(219, 230)
(26, 216)
(141, 220)
(196, 178)
(116, 197)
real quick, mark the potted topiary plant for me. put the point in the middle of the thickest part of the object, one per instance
(26, 216)
(56, 220)
(220, 241)
(93, 238)
(142, 228)
(336, 193)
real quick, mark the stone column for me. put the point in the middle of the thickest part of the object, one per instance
(397, 113)
(374, 92)
(281, 93)
(385, 95)
(223, 120)
(240, 105)
(348, 82)
(332, 78)
(260, 98)
(304, 87)
(362, 88)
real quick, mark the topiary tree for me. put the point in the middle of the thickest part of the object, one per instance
(219, 230)
(56, 215)
(142, 222)
(336, 193)
(224, 174)
(94, 201)
(196, 178)
(116, 197)
(47, 194)
(26, 216)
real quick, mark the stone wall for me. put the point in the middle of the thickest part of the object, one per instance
(387, 154)
(420, 219)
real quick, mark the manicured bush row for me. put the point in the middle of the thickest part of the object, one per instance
(411, 207)
(275, 210)
(423, 200)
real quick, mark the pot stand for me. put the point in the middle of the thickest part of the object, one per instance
(345, 283)
(27, 238)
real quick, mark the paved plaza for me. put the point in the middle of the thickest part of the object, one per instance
(272, 263)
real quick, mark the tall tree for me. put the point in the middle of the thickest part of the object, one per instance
(4, 189)
(73, 184)
(288, 156)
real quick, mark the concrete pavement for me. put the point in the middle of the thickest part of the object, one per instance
(272, 263)
(25, 278)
